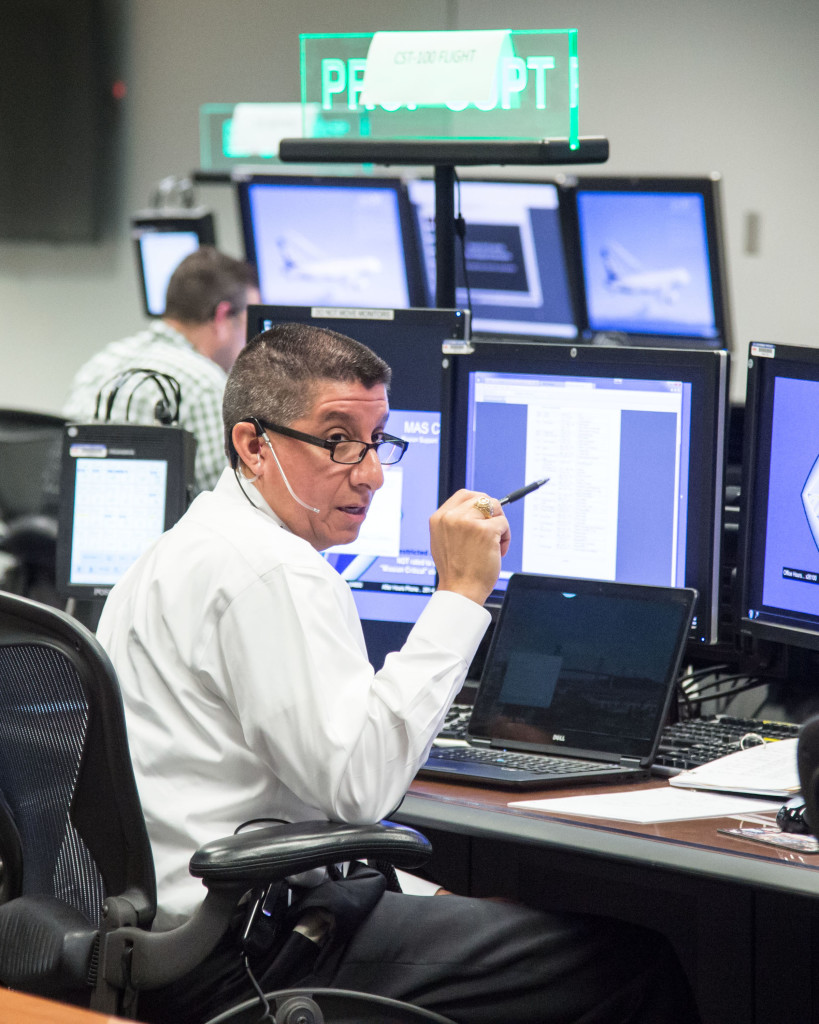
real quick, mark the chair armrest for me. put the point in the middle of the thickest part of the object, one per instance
(46, 946)
(276, 851)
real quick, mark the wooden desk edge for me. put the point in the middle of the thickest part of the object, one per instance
(463, 810)
(25, 1009)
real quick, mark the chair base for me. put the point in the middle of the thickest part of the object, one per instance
(329, 1006)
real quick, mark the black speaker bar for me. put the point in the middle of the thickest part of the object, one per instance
(592, 149)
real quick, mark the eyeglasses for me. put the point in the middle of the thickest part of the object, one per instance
(388, 449)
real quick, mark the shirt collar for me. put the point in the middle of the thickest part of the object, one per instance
(234, 481)
(162, 329)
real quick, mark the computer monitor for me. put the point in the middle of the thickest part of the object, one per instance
(779, 524)
(30, 444)
(632, 443)
(650, 256)
(512, 257)
(121, 486)
(162, 239)
(390, 567)
(330, 241)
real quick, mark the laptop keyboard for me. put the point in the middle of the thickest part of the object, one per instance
(683, 745)
(541, 764)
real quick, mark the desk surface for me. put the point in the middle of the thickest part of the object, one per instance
(742, 916)
(23, 1009)
(694, 847)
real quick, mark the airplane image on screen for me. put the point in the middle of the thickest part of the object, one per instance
(810, 501)
(302, 259)
(627, 275)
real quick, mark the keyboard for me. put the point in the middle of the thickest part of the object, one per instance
(684, 745)
(542, 764)
(456, 722)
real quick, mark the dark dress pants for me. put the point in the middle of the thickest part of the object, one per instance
(474, 961)
(487, 962)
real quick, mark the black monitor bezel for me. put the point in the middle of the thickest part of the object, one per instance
(128, 440)
(706, 369)
(567, 248)
(257, 313)
(765, 362)
(244, 181)
(710, 188)
(199, 221)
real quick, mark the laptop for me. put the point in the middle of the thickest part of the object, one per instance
(576, 685)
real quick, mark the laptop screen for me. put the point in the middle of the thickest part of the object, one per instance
(582, 666)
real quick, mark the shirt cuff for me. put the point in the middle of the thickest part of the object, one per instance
(454, 623)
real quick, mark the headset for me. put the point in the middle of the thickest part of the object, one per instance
(233, 455)
(166, 410)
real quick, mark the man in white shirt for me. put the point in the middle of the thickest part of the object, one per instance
(248, 694)
(195, 343)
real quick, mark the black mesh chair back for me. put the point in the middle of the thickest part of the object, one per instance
(67, 791)
(77, 885)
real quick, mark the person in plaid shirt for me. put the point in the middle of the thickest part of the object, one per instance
(196, 342)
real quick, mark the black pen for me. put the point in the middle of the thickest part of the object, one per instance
(521, 492)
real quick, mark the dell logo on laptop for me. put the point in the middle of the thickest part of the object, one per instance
(558, 738)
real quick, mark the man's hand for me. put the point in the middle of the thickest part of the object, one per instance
(467, 546)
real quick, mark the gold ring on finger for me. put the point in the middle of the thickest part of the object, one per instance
(485, 507)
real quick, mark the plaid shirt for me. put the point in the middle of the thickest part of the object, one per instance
(165, 350)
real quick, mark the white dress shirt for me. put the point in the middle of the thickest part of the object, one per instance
(247, 688)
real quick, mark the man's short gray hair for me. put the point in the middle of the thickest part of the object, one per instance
(276, 375)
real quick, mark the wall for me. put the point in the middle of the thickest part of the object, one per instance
(677, 88)
(711, 85)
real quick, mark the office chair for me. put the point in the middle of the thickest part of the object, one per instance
(30, 448)
(77, 885)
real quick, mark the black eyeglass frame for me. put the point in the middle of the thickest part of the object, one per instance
(319, 442)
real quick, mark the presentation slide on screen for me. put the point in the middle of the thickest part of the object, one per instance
(646, 263)
(616, 455)
(791, 574)
(513, 253)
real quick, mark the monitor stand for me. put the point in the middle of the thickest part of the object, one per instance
(86, 612)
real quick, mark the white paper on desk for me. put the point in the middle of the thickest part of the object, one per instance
(645, 806)
(766, 769)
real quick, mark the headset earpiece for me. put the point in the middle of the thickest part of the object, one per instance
(163, 413)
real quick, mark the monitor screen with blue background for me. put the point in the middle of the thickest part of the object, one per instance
(652, 260)
(330, 241)
(779, 560)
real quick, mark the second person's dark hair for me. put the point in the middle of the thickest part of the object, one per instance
(204, 279)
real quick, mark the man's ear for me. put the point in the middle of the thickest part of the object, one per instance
(246, 443)
(223, 311)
